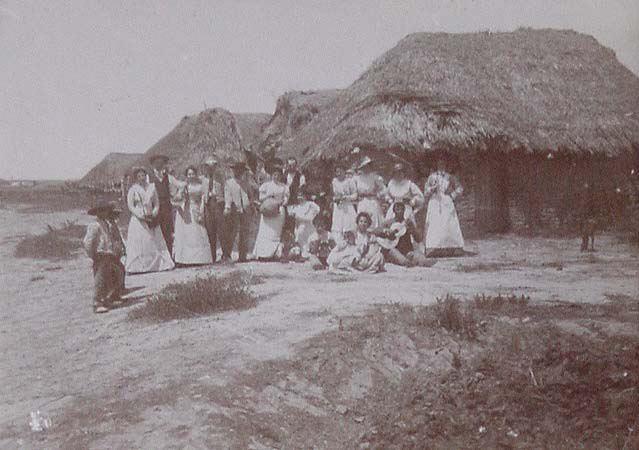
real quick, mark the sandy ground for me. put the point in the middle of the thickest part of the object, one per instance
(62, 359)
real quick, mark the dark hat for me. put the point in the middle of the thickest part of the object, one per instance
(154, 158)
(238, 166)
(103, 208)
(136, 169)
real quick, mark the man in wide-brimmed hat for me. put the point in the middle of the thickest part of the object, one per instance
(103, 243)
(214, 204)
(236, 208)
(162, 180)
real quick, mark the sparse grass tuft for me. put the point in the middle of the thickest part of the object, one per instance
(202, 296)
(56, 243)
(499, 302)
(456, 318)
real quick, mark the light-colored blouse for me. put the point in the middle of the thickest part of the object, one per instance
(143, 201)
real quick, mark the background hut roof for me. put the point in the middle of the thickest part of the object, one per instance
(293, 112)
(250, 127)
(536, 90)
(213, 132)
(112, 168)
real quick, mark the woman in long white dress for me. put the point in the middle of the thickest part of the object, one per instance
(344, 198)
(370, 187)
(191, 243)
(268, 244)
(146, 249)
(442, 231)
(401, 189)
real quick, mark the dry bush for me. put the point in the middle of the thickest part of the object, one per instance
(458, 319)
(500, 302)
(202, 296)
(56, 243)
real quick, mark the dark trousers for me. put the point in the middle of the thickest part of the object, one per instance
(108, 279)
(165, 221)
(212, 219)
(235, 224)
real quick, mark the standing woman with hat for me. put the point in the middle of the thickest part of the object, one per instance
(191, 241)
(402, 189)
(273, 197)
(443, 236)
(344, 198)
(145, 245)
(162, 180)
(370, 186)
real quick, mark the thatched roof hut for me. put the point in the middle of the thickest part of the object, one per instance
(111, 169)
(530, 90)
(293, 112)
(516, 109)
(213, 132)
(251, 126)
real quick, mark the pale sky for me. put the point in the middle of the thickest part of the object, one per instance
(83, 78)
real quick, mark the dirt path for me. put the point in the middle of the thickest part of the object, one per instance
(61, 358)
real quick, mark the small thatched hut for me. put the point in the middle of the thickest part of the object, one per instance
(110, 170)
(530, 115)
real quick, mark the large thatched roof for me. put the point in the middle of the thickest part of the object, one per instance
(293, 112)
(213, 132)
(251, 126)
(111, 169)
(534, 90)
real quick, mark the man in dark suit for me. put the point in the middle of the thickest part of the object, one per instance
(161, 178)
(214, 205)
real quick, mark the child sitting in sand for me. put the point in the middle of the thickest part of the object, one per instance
(320, 245)
(103, 243)
(345, 255)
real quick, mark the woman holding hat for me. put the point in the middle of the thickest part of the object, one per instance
(191, 243)
(370, 186)
(273, 195)
(145, 245)
(402, 189)
(344, 198)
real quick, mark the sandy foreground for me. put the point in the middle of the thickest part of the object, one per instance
(60, 358)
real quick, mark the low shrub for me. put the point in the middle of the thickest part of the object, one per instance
(202, 296)
(57, 243)
(456, 318)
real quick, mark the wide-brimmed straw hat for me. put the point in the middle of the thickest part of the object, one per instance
(366, 161)
(210, 161)
(154, 158)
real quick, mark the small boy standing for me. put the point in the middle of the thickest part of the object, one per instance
(103, 244)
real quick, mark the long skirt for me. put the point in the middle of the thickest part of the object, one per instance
(374, 208)
(372, 261)
(344, 217)
(146, 249)
(343, 259)
(268, 243)
(442, 229)
(190, 242)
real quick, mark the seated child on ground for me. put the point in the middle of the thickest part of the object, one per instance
(345, 254)
(320, 245)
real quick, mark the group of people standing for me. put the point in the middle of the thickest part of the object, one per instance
(274, 216)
